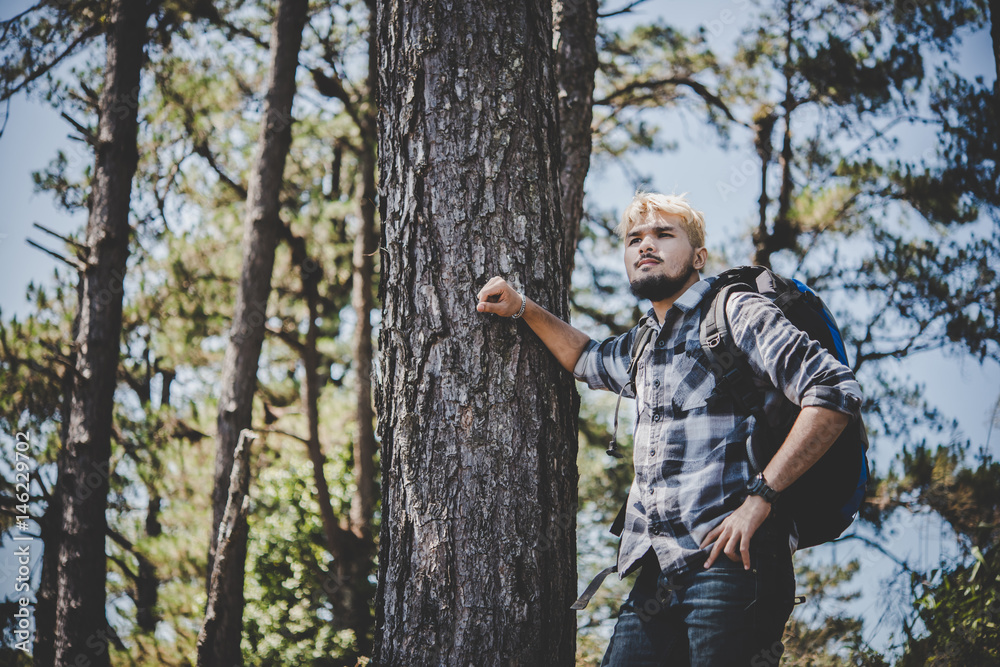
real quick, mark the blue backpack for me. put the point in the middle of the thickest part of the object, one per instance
(825, 500)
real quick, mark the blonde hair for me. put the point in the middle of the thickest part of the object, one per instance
(645, 203)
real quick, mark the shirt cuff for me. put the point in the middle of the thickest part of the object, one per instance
(846, 401)
(581, 368)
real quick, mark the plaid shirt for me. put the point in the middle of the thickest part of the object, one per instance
(690, 444)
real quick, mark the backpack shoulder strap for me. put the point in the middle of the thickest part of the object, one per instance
(642, 337)
(726, 361)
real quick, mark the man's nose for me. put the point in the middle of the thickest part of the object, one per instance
(646, 243)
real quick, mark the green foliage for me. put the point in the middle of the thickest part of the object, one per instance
(289, 619)
(960, 612)
(818, 633)
(604, 485)
(645, 69)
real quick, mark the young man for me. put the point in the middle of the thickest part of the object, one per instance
(716, 585)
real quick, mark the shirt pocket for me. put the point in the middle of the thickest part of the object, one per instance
(696, 382)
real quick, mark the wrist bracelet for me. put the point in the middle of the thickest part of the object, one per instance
(524, 302)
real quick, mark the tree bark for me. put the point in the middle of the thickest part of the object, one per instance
(232, 532)
(477, 420)
(239, 373)
(575, 28)
(81, 633)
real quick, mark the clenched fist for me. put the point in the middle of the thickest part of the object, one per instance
(499, 298)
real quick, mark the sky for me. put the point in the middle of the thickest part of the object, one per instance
(960, 387)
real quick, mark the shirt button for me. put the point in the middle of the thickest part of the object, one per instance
(656, 383)
(661, 343)
(655, 530)
(656, 416)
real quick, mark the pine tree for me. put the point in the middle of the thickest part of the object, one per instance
(476, 418)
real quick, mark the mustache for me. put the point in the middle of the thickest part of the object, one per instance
(643, 258)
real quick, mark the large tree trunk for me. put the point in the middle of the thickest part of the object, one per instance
(575, 27)
(239, 373)
(477, 420)
(81, 625)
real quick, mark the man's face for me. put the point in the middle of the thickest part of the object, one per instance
(659, 258)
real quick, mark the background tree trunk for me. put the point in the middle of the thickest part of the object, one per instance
(81, 625)
(365, 247)
(477, 420)
(575, 28)
(239, 374)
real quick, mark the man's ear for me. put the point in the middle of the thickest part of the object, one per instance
(700, 258)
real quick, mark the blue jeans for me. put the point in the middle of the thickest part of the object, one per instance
(720, 617)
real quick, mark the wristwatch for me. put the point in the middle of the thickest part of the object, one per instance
(758, 487)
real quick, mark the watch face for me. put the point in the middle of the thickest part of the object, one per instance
(758, 487)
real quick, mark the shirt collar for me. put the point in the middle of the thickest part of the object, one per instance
(693, 296)
(690, 299)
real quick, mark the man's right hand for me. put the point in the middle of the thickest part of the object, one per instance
(564, 341)
(499, 298)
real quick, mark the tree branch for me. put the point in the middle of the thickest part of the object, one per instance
(72, 263)
(709, 97)
(624, 10)
(878, 547)
(86, 132)
(67, 239)
(92, 31)
(201, 148)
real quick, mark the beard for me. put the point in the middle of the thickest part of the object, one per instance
(659, 287)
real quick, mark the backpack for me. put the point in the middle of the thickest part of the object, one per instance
(826, 498)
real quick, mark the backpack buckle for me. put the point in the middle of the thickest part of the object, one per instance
(714, 340)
